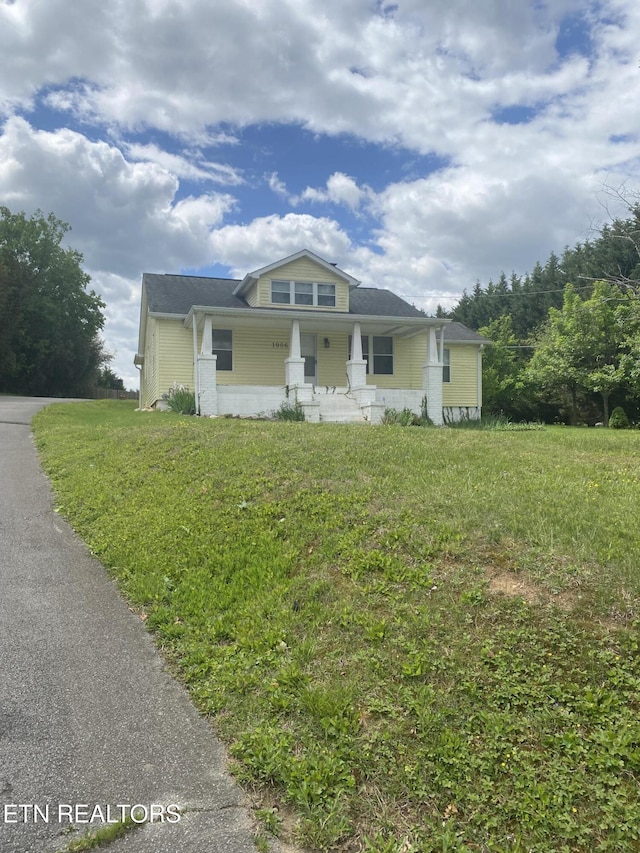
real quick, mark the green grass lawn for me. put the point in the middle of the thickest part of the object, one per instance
(411, 639)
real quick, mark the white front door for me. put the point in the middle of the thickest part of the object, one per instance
(308, 352)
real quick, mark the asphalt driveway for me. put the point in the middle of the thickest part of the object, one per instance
(90, 721)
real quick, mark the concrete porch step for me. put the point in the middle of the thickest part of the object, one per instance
(338, 408)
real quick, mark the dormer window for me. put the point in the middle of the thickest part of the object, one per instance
(327, 295)
(281, 292)
(307, 293)
(303, 293)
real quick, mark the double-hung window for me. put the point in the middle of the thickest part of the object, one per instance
(281, 292)
(310, 293)
(380, 357)
(446, 365)
(327, 295)
(303, 292)
(223, 348)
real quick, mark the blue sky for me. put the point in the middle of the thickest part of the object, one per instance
(421, 145)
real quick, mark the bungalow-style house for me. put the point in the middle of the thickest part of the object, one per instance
(302, 330)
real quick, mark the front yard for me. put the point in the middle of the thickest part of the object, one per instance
(411, 639)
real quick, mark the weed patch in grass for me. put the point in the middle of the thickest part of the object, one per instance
(426, 641)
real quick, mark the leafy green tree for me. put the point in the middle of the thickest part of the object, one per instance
(501, 367)
(630, 358)
(49, 322)
(608, 311)
(555, 367)
(581, 348)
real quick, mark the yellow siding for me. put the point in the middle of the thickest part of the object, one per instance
(409, 355)
(303, 270)
(150, 367)
(252, 296)
(175, 355)
(463, 388)
(258, 356)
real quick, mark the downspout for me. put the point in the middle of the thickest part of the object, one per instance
(480, 380)
(194, 326)
(139, 369)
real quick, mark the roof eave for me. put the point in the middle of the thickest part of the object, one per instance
(242, 287)
(166, 315)
(292, 314)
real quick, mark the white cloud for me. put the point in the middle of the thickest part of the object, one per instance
(424, 75)
(125, 216)
(191, 166)
(340, 189)
(277, 185)
(248, 247)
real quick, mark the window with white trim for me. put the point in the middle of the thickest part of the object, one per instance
(281, 292)
(446, 365)
(223, 348)
(381, 361)
(382, 355)
(327, 295)
(303, 292)
(310, 293)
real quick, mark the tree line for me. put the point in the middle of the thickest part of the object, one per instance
(565, 337)
(50, 322)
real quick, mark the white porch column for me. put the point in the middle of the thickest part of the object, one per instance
(432, 377)
(294, 365)
(206, 347)
(206, 379)
(356, 366)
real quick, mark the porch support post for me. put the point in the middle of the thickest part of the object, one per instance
(294, 365)
(206, 382)
(206, 348)
(356, 366)
(432, 377)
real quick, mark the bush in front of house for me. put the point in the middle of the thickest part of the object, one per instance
(289, 412)
(180, 400)
(619, 419)
(404, 417)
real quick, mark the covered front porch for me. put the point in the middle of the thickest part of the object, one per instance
(338, 367)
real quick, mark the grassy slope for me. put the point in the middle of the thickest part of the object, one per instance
(330, 594)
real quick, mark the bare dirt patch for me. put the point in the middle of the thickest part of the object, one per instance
(516, 586)
(513, 586)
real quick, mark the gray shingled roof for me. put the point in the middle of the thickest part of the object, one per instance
(459, 334)
(177, 294)
(381, 303)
